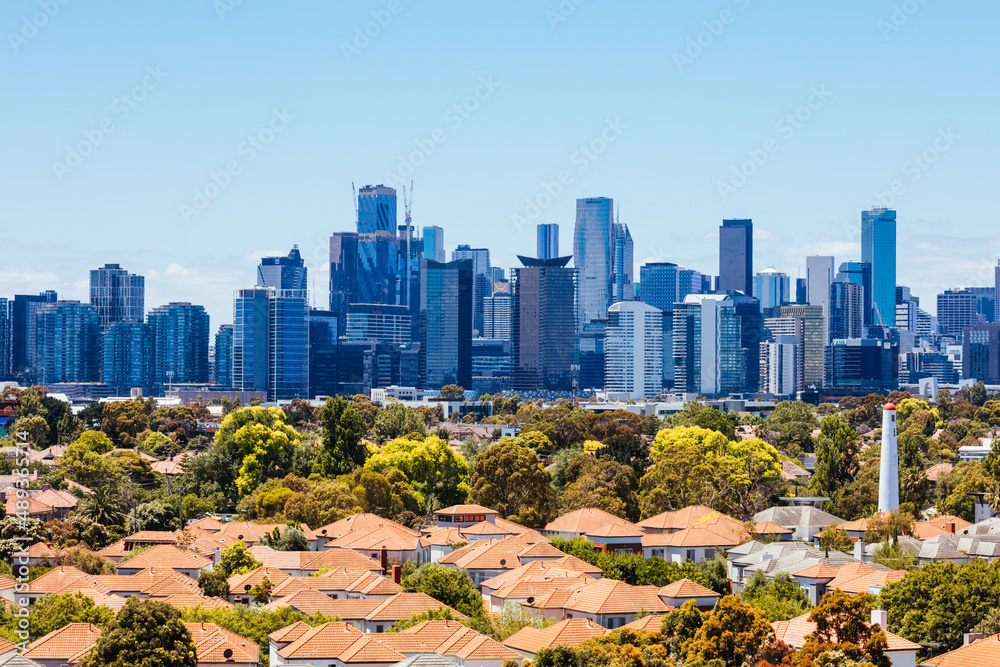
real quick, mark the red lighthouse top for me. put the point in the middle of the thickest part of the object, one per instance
(889, 406)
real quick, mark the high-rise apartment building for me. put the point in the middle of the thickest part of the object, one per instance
(751, 334)
(128, 355)
(956, 311)
(819, 275)
(622, 256)
(498, 316)
(863, 366)
(283, 272)
(708, 357)
(68, 342)
(779, 366)
(180, 343)
(548, 241)
(5, 330)
(343, 272)
(633, 361)
(23, 349)
(845, 310)
(811, 342)
(482, 281)
(379, 323)
(660, 288)
(878, 249)
(981, 353)
(736, 256)
(433, 242)
(772, 288)
(446, 290)
(377, 245)
(544, 324)
(224, 355)
(118, 296)
(376, 209)
(410, 252)
(860, 273)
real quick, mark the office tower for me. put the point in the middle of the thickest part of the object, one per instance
(593, 249)
(736, 256)
(497, 276)
(323, 326)
(379, 323)
(845, 310)
(498, 316)
(981, 353)
(863, 366)
(118, 295)
(921, 365)
(633, 362)
(819, 275)
(5, 330)
(446, 323)
(410, 251)
(492, 365)
(343, 272)
(779, 366)
(860, 273)
(224, 356)
(996, 292)
(271, 342)
(377, 266)
(23, 350)
(907, 306)
(660, 289)
(434, 243)
(283, 272)
(751, 334)
(801, 292)
(548, 241)
(708, 358)
(811, 342)
(772, 288)
(593, 351)
(878, 249)
(622, 264)
(690, 281)
(67, 335)
(376, 209)
(128, 356)
(956, 311)
(363, 366)
(180, 343)
(482, 281)
(544, 323)
(888, 470)
(985, 303)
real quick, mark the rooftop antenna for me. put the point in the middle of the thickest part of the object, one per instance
(354, 192)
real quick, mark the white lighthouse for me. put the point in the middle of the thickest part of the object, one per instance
(888, 471)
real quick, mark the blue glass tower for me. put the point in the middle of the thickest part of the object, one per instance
(271, 342)
(283, 272)
(860, 273)
(323, 327)
(23, 350)
(180, 343)
(434, 243)
(67, 339)
(446, 323)
(128, 355)
(376, 209)
(658, 288)
(548, 241)
(224, 356)
(736, 256)
(593, 247)
(250, 349)
(878, 249)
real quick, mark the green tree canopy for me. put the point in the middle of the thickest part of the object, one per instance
(259, 439)
(237, 559)
(509, 478)
(341, 427)
(431, 466)
(145, 633)
(450, 586)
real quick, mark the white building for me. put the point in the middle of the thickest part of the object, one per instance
(819, 275)
(779, 366)
(633, 349)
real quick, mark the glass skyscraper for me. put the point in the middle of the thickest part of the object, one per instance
(67, 342)
(593, 246)
(860, 273)
(118, 296)
(433, 242)
(878, 249)
(633, 361)
(23, 348)
(379, 323)
(446, 323)
(283, 272)
(250, 339)
(548, 241)
(544, 324)
(323, 326)
(772, 288)
(376, 209)
(845, 310)
(658, 287)
(736, 256)
(180, 343)
(708, 358)
(224, 355)
(343, 273)
(377, 245)
(128, 355)
(482, 281)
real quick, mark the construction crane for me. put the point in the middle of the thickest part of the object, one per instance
(885, 336)
(354, 197)
(407, 206)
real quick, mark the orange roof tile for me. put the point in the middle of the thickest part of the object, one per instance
(212, 641)
(167, 555)
(465, 509)
(362, 521)
(680, 519)
(324, 641)
(983, 652)
(794, 633)
(818, 571)
(570, 632)
(650, 623)
(605, 596)
(536, 570)
(685, 588)
(615, 530)
(69, 644)
(584, 520)
(377, 538)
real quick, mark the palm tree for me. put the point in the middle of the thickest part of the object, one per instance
(104, 505)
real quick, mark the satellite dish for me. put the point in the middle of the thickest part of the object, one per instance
(227, 654)
(503, 561)
(239, 537)
(247, 588)
(323, 532)
(530, 600)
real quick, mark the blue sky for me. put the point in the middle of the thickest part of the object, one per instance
(671, 97)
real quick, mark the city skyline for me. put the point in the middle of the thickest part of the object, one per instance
(121, 204)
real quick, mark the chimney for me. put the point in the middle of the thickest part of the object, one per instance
(859, 550)
(397, 573)
(763, 557)
(384, 559)
(971, 637)
(950, 527)
(46, 487)
(880, 617)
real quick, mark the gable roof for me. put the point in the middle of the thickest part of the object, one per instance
(604, 596)
(794, 633)
(167, 555)
(70, 643)
(362, 521)
(212, 641)
(465, 509)
(685, 588)
(570, 632)
(983, 652)
(679, 519)
(584, 520)
(449, 638)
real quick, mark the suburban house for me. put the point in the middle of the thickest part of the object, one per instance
(901, 652)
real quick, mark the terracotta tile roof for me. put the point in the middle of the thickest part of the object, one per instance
(604, 596)
(368, 650)
(442, 536)
(685, 588)
(152, 537)
(360, 522)
(167, 555)
(487, 528)
(6, 646)
(540, 551)
(651, 623)
(57, 498)
(678, 520)
(853, 579)
(190, 600)
(366, 582)
(376, 538)
(311, 601)
(936, 471)
(818, 571)
(290, 633)
(56, 579)
(585, 520)
(238, 582)
(324, 641)
(291, 586)
(206, 523)
(770, 528)
(68, 644)
(405, 605)
(717, 531)
(212, 641)
(5, 583)
(983, 652)
(448, 638)
(153, 582)
(465, 509)
(41, 550)
(333, 558)
(570, 632)
(249, 532)
(615, 530)
(536, 570)
(511, 527)
(34, 507)
(522, 590)
(794, 633)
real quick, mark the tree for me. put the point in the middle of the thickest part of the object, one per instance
(833, 538)
(103, 505)
(84, 462)
(658, 572)
(341, 427)
(558, 656)
(749, 476)
(732, 633)
(214, 583)
(145, 633)
(781, 598)
(122, 421)
(683, 473)
(843, 619)
(888, 527)
(976, 394)
(261, 593)
(508, 478)
(714, 420)
(431, 466)
(450, 586)
(680, 626)
(237, 559)
(894, 556)
(451, 392)
(601, 483)
(52, 612)
(836, 457)
(258, 438)
(396, 421)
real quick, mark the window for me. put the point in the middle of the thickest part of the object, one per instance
(378, 628)
(690, 554)
(709, 553)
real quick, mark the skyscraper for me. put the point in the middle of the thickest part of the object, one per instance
(981, 353)
(779, 366)
(323, 352)
(180, 343)
(224, 356)
(376, 209)
(23, 348)
(446, 323)
(845, 310)
(751, 334)
(819, 275)
(860, 273)
(660, 289)
(956, 311)
(996, 292)
(118, 295)
(811, 342)
(377, 245)
(498, 316)
(482, 281)
(548, 241)
(622, 264)
(878, 249)
(128, 355)
(379, 323)
(343, 272)
(250, 339)
(434, 243)
(708, 358)
(736, 256)
(5, 329)
(772, 288)
(593, 247)
(633, 361)
(863, 366)
(67, 342)
(544, 324)
(410, 252)
(283, 272)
